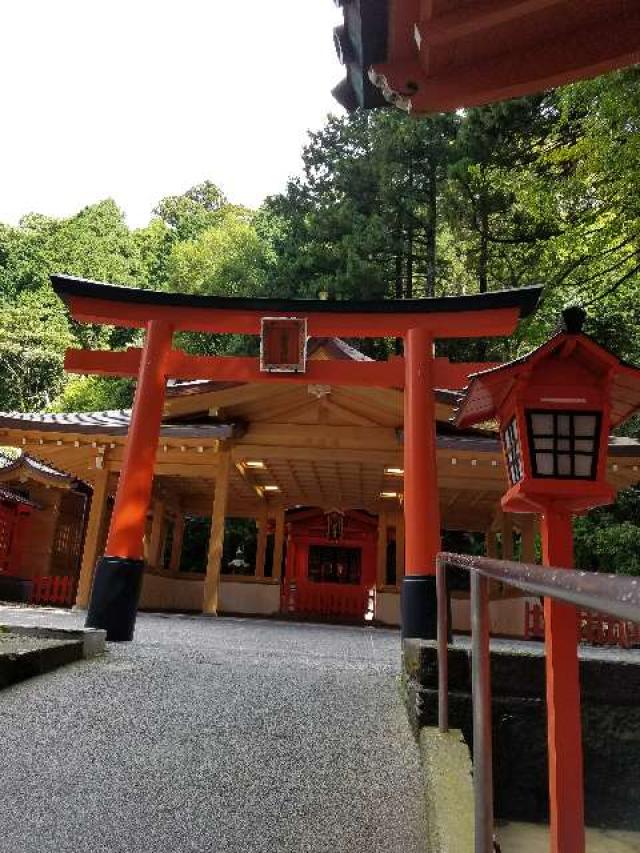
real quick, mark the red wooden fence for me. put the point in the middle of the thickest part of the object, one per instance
(325, 600)
(53, 589)
(596, 629)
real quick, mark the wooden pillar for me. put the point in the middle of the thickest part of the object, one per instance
(261, 547)
(528, 538)
(136, 478)
(156, 539)
(92, 538)
(381, 553)
(399, 548)
(278, 544)
(421, 502)
(507, 537)
(490, 543)
(176, 543)
(564, 726)
(216, 539)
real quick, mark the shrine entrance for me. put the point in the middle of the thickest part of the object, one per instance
(285, 327)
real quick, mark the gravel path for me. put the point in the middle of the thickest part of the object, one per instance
(212, 735)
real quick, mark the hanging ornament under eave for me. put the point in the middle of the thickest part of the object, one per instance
(335, 525)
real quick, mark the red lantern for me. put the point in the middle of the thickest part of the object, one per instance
(555, 408)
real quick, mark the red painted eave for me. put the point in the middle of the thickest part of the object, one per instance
(446, 54)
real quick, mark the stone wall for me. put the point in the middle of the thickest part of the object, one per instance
(611, 724)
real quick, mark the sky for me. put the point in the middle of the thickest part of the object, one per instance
(139, 99)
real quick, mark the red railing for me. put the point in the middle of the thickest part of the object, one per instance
(326, 600)
(596, 629)
(53, 589)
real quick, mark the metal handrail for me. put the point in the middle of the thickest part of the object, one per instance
(616, 595)
(612, 594)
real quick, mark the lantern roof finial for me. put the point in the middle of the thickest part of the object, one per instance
(573, 317)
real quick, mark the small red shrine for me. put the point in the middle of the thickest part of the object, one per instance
(14, 518)
(331, 562)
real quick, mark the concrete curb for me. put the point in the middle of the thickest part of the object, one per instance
(92, 639)
(446, 768)
(26, 651)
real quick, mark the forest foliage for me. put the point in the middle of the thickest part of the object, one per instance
(537, 190)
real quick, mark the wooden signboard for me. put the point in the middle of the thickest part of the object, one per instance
(283, 344)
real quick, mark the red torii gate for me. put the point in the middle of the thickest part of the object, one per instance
(118, 574)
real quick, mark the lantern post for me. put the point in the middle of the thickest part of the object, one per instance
(555, 407)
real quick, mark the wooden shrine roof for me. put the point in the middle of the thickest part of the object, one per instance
(114, 422)
(18, 464)
(446, 54)
(10, 497)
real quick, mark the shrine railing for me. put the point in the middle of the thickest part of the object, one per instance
(615, 595)
(54, 589)
(325, 600)
(595, 629)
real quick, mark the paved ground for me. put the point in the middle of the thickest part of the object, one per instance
(212, 735)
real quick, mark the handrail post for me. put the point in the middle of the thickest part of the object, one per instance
(481, 694)
(443, 649)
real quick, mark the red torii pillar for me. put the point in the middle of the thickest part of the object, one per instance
(421, 502)
(118, 575)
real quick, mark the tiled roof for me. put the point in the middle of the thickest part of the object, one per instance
(14, 460)
(7, 496)
(112, 422)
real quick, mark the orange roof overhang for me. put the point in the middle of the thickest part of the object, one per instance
(445, 54)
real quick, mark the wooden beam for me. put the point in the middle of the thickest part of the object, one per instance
(472, 19)
(544, 64)
(458, 322)
(93, 537)
(246, 369)
(216, 540)
(157, 537)
(176, 544)
(266, 452)
(261, 549)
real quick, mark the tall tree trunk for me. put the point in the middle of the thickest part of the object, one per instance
(431, 229)
(483, 265)
(398, 346)
(408, 290)
(483, 258)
